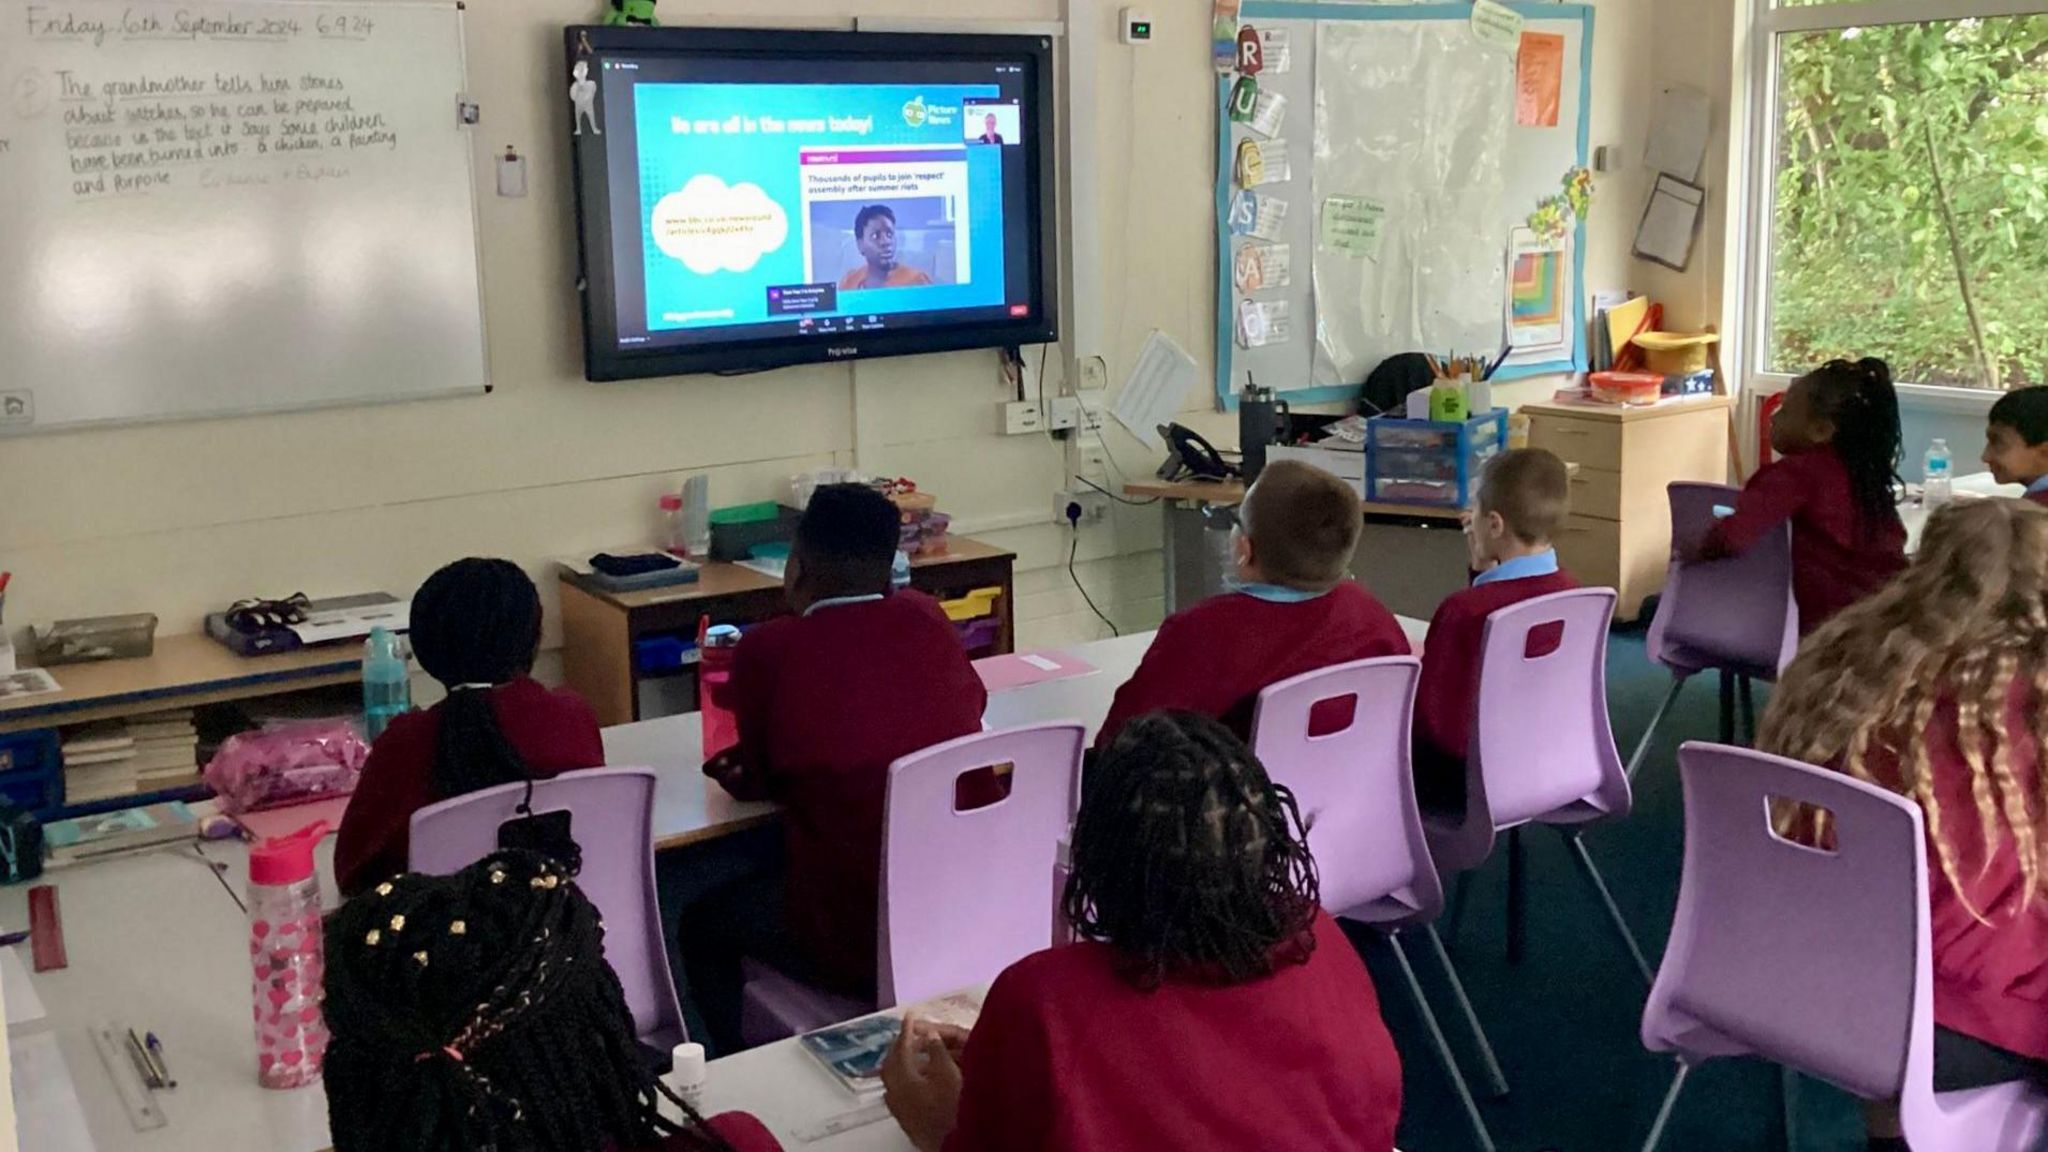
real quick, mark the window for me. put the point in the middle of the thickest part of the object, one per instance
(1902, 202)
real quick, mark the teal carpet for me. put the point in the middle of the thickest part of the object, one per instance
(1565, 1021)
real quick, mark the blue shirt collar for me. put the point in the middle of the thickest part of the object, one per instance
(2040, 485)
(1542, 563)
(842, 601)
(1275, 593)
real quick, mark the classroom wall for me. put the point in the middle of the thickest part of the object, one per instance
(181, 519)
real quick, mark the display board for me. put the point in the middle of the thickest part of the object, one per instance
(1399, 183)
(231, 207)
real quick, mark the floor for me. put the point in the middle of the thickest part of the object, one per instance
(1565, 1021)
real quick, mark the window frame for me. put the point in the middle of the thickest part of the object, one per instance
(1758, 50)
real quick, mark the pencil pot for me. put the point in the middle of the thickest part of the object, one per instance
(287, 958)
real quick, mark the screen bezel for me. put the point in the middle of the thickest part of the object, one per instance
(605, 360)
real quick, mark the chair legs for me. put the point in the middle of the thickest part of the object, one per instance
(1748, 688)
(1664, 1111)
(1480, 1135)
(1496, 1081)
(1727, 707)
(1643, 747)
(1628, 938)
(1518, 909)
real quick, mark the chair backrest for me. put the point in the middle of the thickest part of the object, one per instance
(1736, 613)
(1355, 786)
(1540, 734)
(1815, 958)
(611, 817)
(967, 893)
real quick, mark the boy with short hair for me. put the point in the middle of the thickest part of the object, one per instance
(1524, 498)
(2016, 441)
(1290, 609)
(825, 700)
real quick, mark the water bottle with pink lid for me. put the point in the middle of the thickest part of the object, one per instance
(287, 959)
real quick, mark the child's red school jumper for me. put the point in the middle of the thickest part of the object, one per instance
(1215, 657)
(553, 731)
(825, 702)
(1836, 558)
(1070, 1056)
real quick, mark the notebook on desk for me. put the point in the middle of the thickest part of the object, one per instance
(1021, 669)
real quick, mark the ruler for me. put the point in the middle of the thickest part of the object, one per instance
(112, 1042)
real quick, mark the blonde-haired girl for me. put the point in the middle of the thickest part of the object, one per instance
(1936, 687)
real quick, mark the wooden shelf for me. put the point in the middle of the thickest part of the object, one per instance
(183, 672)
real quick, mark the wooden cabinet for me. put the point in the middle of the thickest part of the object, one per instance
(1619, 534)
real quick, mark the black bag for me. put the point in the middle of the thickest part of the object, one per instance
(21, 844)
(1386, 390)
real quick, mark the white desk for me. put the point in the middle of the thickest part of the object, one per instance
(157, 943)
(1975, 485)
(154, 944)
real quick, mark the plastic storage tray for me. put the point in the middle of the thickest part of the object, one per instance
(1430, 462)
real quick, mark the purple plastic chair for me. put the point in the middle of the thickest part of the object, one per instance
(1818, 959)
(612, 820)
(1736, 616)
(944, 926)
(1542, 751)
(1356, 790)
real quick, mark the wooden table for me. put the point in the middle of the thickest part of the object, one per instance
(599, 627)
(1230, 493)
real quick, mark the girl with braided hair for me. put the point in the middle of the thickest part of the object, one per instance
(1837, 482)
(1210, 1004)
(476, 1012)
(1936, 687)
(476, 629)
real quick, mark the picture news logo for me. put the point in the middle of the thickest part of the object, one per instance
(914, 113)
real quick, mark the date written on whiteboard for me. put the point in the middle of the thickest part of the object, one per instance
(54, 22)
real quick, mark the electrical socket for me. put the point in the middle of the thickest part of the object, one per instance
(1091, 411)
(1094, 506)
(1062, 413)
(1021, 418)
(1094, 374)
(1094, 462)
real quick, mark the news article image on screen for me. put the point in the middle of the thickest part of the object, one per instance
(844, 195)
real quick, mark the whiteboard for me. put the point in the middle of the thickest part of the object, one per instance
(1399, 104)
(232, 207)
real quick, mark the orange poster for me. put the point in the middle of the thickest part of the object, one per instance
(1539, 74)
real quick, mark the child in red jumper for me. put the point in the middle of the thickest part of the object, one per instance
(1291, 609)
(826, 700)
(1524, 499)
(1933, 688)
(475, 628)
(2016, 441)
(1212, 1004)
(1837, 482)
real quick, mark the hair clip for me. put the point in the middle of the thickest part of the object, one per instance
(372, 936)
(457, 927)
(384, 889)
(497, 875)
(398, 922)
(420, 958)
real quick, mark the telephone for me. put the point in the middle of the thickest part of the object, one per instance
(1189, 457)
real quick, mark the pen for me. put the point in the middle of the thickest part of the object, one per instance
(156, 1052)
(144, 1067)
(10, 939)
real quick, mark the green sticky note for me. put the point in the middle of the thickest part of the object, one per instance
(1354, 225)
(1496, 24)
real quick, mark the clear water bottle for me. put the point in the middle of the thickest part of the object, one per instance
(387, 685)
(1938, 478)
(288, 959)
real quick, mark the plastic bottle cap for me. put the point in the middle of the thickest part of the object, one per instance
(687, 1066)
(286, 859)
(671, 503)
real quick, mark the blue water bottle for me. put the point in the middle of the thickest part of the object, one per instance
(387, 686)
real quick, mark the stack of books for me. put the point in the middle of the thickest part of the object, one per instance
(116, 758)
